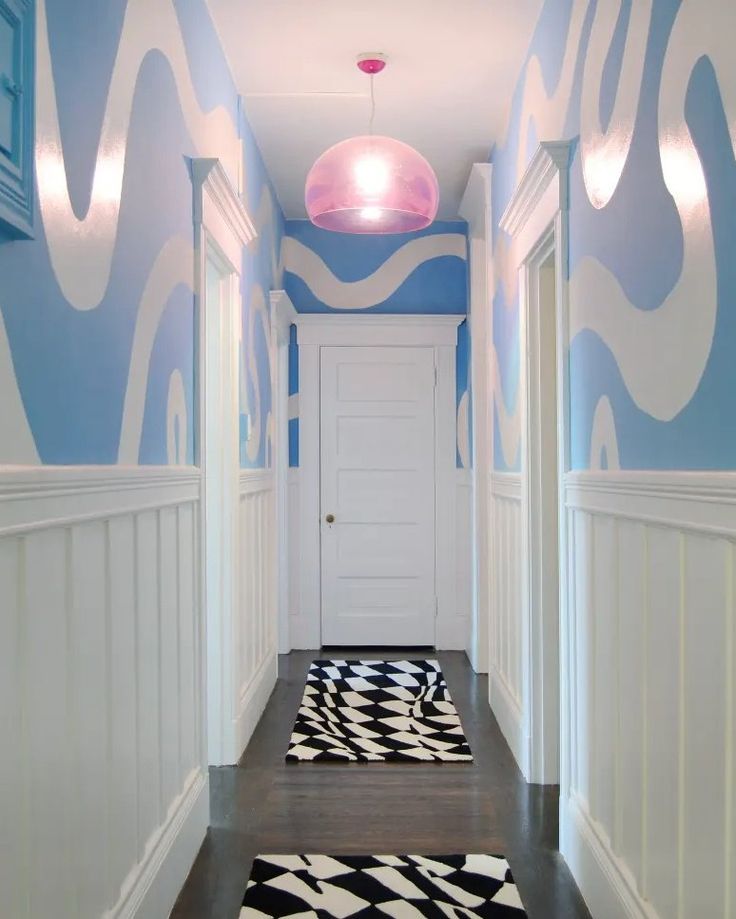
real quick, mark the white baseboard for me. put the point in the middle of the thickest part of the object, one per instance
(606, 884)
(253, 700)
(151, 889)
(510, 720)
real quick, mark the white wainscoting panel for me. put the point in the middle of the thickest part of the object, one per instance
(464, 556)
(506, 679)
(257, 615)
(297, 630)
(650, 818)
(103, 778)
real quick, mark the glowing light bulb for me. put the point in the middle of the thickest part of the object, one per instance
(371, 175)
(371, 213)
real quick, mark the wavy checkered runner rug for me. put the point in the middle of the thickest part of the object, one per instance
(377, 711)
(381, 885)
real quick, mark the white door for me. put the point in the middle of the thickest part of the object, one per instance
(378, 483)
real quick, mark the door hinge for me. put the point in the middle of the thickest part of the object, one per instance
(436, 375)
(436, 607)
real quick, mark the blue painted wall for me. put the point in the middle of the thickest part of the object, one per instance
(97, 330)
(423, 272)
(646, 91)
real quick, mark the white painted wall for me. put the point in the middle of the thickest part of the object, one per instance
(103, 777)
(649, 822)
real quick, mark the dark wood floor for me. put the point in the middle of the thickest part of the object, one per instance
(264, 805)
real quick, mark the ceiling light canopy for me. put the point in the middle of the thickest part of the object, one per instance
(371, 184)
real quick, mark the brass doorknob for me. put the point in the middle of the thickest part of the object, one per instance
(330, 518)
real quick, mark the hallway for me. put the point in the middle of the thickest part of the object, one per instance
(265, 806)
(351, 325)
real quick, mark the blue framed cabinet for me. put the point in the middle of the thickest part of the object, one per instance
(17, 73)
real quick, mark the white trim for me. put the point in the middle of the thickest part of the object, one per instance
(605, 881)
(254, 696)
(547, 169)
(377, 329)
(702, 502)
(510, 717)
(152, 889)
(222, 227)
(439, 332)
(506, 485)
(219, 207)
(537, 219)
(283, 316)
(451, 630)
(253, 481)
(35, 498)
(475, 207)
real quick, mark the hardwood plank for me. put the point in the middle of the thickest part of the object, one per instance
(265, 805)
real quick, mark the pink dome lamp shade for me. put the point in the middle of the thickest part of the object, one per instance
(371, 184)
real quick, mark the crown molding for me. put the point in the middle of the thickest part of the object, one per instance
(211, 182)
(550, 162)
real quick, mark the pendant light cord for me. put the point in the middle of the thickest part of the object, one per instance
(373, 109)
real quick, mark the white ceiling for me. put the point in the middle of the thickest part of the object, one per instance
(452, 68)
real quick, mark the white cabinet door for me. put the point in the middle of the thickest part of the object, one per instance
(378, 482)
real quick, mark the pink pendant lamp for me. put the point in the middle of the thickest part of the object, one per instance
(371, 184)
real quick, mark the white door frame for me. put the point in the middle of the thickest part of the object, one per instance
(475, 207)
(537, 220)
(283, 316)
(439, 332)
(221, 227)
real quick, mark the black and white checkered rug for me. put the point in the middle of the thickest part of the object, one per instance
(408, 886)
(377, 711)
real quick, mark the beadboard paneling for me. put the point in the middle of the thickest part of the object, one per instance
(464, 552)
(103, 783)
(652, 796)
(506, 679)
(256, 626)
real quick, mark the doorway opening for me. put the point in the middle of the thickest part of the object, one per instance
(377, 453)
(220, 461)
(222, 229)
(543, 460)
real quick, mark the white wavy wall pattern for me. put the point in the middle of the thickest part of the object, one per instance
(377, 288)
(81, 248)
(661, 353)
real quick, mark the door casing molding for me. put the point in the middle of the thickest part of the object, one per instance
(222, 228)
(475, 207)
(537, 220)
(283, 316)
(438, 332)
